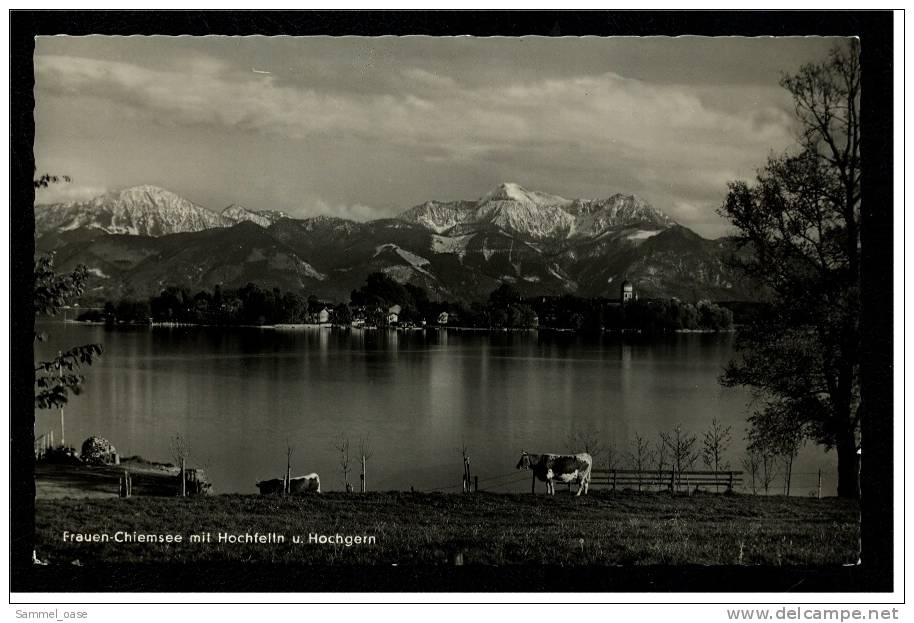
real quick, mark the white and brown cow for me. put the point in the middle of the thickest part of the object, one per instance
(564, 468)
(305, 484)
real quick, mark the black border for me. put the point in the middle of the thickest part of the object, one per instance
(874, 574)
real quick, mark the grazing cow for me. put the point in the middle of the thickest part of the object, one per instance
(301, 484)
(562, 467)
(305, 484)
(271, 487)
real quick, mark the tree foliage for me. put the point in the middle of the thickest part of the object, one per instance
(46, 179)
(58, 378)
(800, 221)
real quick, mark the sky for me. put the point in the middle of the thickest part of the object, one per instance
(365, 128)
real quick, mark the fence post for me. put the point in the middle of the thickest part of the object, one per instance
(475, 484)
(819, 486)
(60, 377)
(364, 484)
(533, 485)
(124, 485)
(730, 485)
(183, 477)
(614, 481)
(672, 479)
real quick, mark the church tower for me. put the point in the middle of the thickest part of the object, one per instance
(627, 292)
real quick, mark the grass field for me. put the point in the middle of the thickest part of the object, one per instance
(420, 528)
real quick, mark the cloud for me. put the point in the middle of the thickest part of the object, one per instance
(352, 212)
(589, 108)
(429, 79)
(621, 134)
(64, 193)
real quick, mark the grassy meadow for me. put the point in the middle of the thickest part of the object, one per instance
(604, 528)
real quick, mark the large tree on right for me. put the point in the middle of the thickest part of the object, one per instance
(799, 224)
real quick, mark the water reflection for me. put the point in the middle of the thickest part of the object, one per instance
(238, 395)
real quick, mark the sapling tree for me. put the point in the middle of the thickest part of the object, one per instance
(661, 457)
(287, 484)
(683, 454)
(466, 467)
(640, 455)
(365, 453)
(779, 440)
(587, 440)
(715, 443)
(341, 445)
(789, 451)
(769, 464)
(752, 463)
(180, 451)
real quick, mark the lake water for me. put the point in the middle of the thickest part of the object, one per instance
(238, 395)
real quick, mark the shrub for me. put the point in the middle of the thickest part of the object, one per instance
(99, 451)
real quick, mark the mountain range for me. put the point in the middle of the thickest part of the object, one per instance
(139, 240)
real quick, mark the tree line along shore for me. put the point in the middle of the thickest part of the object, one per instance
(383, 302)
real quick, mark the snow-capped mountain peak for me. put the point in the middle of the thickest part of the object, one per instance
(510, 191)
(139, 210)
(237, 213)
(144, 210)
(440, 216)
(531, 215)
(538, 215)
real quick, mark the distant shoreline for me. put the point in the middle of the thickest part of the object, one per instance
(328, 325)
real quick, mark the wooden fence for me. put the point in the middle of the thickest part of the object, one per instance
(666, 479)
